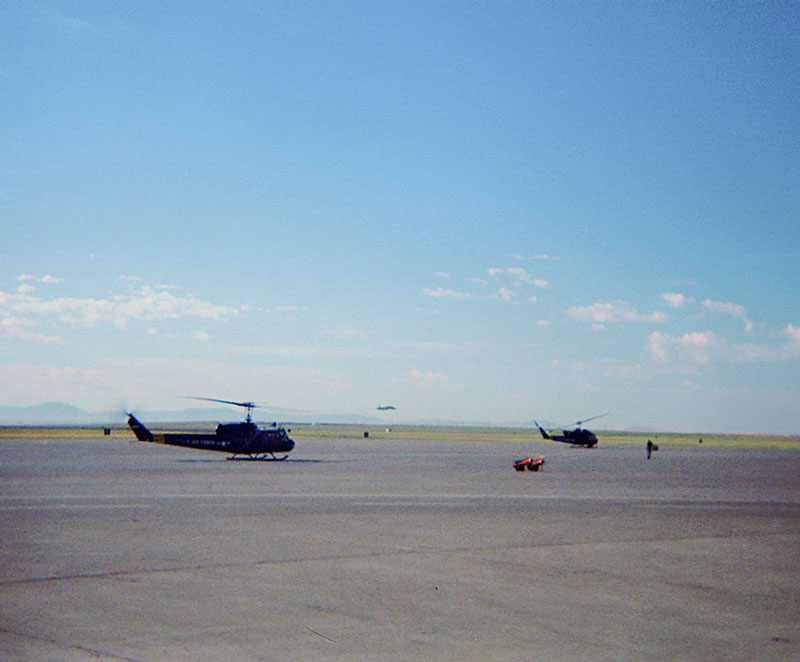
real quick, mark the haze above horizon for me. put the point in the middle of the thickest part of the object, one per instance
(475, 212)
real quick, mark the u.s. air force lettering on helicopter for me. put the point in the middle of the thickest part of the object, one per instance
(241, 440)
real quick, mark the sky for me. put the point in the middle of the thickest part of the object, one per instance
(473, 211)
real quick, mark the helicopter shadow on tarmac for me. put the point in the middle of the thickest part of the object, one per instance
(290, 460)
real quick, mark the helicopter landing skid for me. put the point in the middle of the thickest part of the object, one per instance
(261, 458)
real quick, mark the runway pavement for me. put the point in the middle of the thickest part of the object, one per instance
(359, 549)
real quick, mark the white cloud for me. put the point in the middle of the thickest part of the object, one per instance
(506, 295)
(701, 348)
(614, 312)
(441, 292)
(39, 279)
(346, 332)
(304, 351)
(442, 274)
(787, 351)
(536, 257)
(334, 386)
(425, 380)
(47, 279)
(792, 333)
(19, 328)
(659, 347)
(695, 348)
(723, 307)
(145, 304)
(676, 300)
(202, 336)
(520, 276)
(726, 308)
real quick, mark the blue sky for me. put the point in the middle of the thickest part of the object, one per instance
(473, 211)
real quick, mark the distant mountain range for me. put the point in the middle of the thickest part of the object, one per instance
(59, 413)
(52, 413)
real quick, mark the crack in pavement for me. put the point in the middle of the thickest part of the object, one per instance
(379, 554)
(74, 647)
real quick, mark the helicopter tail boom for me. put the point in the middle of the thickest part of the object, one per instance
(542, 430)
(141, 432)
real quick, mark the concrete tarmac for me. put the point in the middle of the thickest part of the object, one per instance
(397, 550)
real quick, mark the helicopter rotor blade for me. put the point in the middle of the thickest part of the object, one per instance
(586, 420)
(246, 405)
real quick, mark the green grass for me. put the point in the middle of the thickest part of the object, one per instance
(55, 432)
(302, 431)
(709, 440)
(421, 433)
(499, 434)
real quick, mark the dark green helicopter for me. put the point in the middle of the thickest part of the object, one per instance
(238, 439)
(576, 437)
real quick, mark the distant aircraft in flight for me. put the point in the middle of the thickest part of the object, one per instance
(385, 407)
